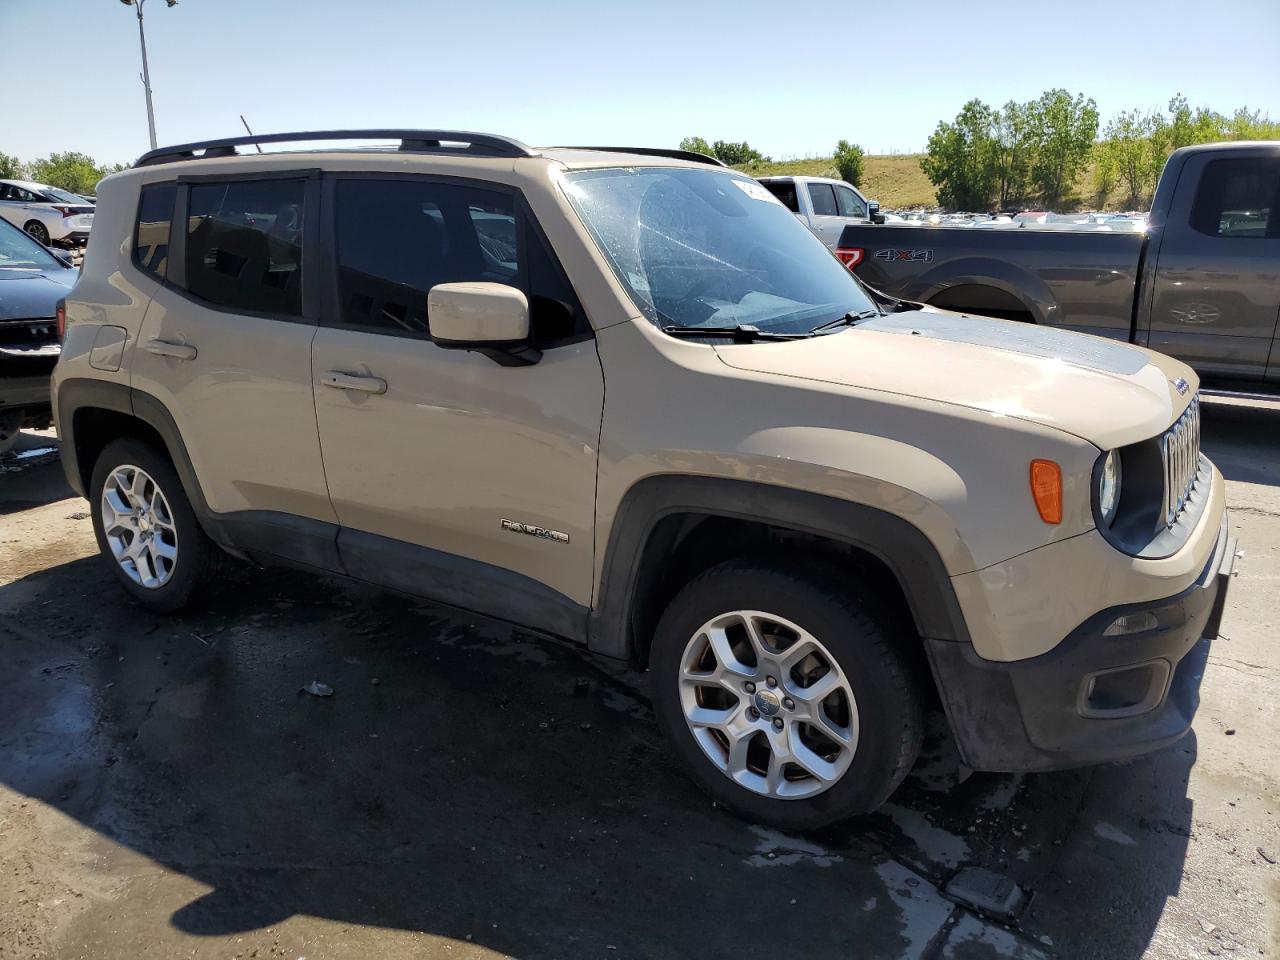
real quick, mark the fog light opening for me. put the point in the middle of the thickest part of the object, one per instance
(1126, 691)
(1130, 623)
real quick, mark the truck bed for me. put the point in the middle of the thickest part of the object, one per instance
(1082, 280)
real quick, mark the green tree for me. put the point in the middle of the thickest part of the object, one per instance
(1132, 152)
(960, 159)
(72, 171)
(1015, 147)
(1185, 126)
(1064, 128)
(850, 161)
(11, 168)
(696, 145)
(736, 154)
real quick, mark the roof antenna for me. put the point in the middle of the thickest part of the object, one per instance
(250, 132)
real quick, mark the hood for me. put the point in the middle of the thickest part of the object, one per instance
(33, 294)
(1108, 393)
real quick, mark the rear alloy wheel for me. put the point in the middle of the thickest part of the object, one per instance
(145, 526)
(139, 528)
(38, 232)
(787, 696)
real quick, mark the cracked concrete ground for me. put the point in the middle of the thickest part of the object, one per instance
(470, 791)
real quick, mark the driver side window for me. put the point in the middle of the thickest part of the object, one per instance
(850, 205)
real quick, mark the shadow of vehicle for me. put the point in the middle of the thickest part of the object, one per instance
(472, 782)
(1244, 441)
(31, 475)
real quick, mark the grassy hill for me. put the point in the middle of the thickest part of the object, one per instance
(895, 181)
(899, 183)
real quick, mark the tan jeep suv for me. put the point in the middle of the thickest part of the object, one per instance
(624, 397)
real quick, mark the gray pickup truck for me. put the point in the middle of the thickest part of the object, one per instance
(1201, 284)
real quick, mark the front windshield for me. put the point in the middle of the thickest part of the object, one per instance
(703, 248)
(20, 252)
(62, 196)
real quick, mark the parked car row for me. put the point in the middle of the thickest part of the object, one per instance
(52, 216)
(33, 279)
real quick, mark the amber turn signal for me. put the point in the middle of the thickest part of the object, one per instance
(1046, 489)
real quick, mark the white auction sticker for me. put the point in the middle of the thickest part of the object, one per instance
(754, 190)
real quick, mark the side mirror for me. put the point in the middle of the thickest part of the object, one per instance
(489, 318)
(873, 211)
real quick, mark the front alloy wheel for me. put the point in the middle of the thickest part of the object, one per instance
(139, 526)
(786, 687)
(768, 704)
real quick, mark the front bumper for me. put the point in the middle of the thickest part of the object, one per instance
(1092, 697)
(24, 391)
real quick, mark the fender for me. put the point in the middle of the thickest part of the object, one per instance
(309, 543)
(1001, 275)
(903, 548)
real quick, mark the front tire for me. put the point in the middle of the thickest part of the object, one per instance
(786, 696)
(145, 527)
(38, 232)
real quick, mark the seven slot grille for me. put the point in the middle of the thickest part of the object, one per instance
(1180, 450)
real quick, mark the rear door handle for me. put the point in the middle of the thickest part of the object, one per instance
(349, 381)
(165, 348)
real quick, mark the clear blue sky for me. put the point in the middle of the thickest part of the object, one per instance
(791, 78)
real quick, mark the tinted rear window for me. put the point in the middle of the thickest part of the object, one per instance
(244, 245)
(1237, 198)
(151, 232)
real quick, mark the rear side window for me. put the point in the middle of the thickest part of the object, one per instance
(151, 232)
(786, 194)
(1237, 198)
(849, 203)
(244, 245)
(396, 239)
(823, 198)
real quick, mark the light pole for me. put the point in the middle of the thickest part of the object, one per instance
(146, 73)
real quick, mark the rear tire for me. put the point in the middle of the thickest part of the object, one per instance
(821, 727)
(38, 232)
(145, 527)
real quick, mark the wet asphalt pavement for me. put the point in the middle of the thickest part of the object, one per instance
(167, 790)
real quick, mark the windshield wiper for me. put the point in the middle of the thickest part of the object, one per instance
(742, 333)
(848, 320)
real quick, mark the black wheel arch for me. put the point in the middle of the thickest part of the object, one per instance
(659, 514)
(92, 413)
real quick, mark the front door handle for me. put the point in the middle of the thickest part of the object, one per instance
(166, 348)
(350, 381)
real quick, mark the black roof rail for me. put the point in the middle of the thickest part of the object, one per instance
(412, 141)
(653, 152)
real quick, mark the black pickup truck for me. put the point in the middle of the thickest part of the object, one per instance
(1202, 283)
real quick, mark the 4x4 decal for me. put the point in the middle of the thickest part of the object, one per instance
(908, 255)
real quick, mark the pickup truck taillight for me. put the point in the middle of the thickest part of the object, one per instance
(60, 311)
(851, 256)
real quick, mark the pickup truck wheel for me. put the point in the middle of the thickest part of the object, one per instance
(38, 232)
(145, 526)
(784, 695)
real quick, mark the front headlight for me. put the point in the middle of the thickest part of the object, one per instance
(1109, 488)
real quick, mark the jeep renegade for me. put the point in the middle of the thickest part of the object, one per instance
(623, 396)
